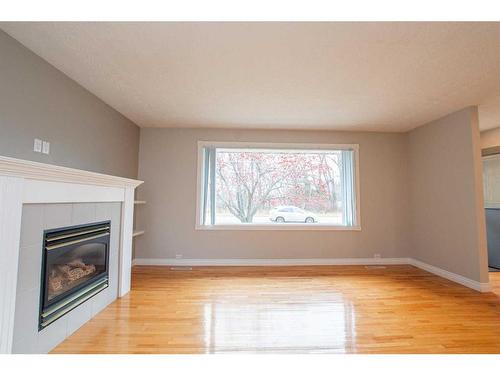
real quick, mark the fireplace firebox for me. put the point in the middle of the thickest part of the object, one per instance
(75, 266)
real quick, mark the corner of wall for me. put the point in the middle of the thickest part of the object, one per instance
(479, 195)
(439, 194)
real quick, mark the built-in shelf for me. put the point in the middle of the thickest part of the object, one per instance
(139, 202)
(137, 232)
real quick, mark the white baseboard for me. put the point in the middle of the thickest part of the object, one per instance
(268, 262)
(473, 284)
(476, 285)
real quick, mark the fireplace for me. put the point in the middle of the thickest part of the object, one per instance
(74, 268)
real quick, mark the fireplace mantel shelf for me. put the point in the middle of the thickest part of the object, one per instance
(48, 172)
(24, 182)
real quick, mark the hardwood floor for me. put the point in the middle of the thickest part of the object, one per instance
(330, 309)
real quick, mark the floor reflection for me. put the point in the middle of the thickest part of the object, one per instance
(327, 326)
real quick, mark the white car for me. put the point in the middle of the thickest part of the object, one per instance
(292, 214)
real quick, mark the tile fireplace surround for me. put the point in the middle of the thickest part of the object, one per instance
(36, 196)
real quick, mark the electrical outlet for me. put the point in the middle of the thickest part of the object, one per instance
(376, 256)
(37, 145)
(45, 147)
(178, 256)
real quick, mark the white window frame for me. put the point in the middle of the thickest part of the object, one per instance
(271, 226)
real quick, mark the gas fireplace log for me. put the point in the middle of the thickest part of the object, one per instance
(72, 273)
(77, 263)
(55, 283)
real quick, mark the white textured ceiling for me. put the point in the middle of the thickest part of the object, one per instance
(356, 76)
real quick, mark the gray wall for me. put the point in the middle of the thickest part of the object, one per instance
(168, 164)
(421, 197)
(38, 101)
(448, 225)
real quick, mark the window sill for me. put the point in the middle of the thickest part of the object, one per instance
(278, 227)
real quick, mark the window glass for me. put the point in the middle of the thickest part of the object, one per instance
(244, 186)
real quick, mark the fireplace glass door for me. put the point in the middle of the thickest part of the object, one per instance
(72, 266)
(75, 267)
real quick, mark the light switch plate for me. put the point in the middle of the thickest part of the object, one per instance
(46, 147)
(37, 145)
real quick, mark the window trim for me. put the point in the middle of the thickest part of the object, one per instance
(283, 226)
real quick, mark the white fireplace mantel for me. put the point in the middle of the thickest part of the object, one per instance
(23, 182)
